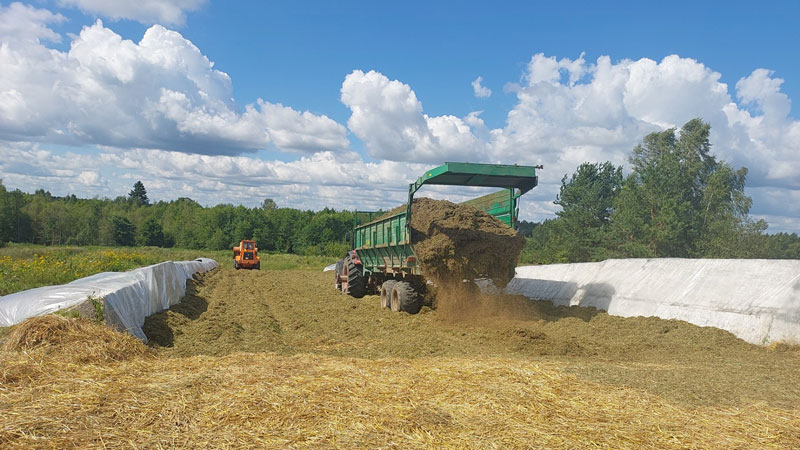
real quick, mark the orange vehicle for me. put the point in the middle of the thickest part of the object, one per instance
(245, 256)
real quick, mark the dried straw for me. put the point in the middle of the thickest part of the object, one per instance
(67, 383)
(75, 340)
(271, 401)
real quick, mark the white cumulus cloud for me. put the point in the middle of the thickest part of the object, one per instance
(20, 22)
(388, 118)
(161, 92)
(480, 91)
(172, 12)
(573, 111)
(314, 181)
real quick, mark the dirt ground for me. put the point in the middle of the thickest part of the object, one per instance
(295, 312)
(280, 359)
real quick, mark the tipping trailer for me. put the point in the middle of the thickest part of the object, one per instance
(382, 258)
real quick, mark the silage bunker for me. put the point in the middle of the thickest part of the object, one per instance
(123, 299)
(755, 299)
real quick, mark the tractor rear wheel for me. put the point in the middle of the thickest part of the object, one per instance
(405, 298)
(355, 279)
(386, 293)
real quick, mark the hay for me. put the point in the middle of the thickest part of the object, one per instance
(271, 401)
(289, 312)
(74, 340)
(455, 242)
(524, 375)
(224, 312)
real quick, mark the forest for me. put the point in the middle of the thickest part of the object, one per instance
(677, 201)
(131, 220)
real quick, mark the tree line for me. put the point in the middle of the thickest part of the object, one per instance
(42, 218)
(677, 201)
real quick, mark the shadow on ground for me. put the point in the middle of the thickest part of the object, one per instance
(159, 327)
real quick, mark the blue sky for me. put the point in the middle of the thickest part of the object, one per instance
(344, 96)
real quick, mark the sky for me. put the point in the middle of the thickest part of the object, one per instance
(342, 104)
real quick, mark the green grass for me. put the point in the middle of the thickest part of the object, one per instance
(25, 266)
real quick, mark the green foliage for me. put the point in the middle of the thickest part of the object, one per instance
(586, 201)
(124, 231)
(43, 219)
(27, 266)
(138, 196)
(98, 305)
(151, 234)
(546, 244)
(268, 204)
(525, 228)
(678, 201)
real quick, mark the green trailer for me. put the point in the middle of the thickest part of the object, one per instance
(382, 259)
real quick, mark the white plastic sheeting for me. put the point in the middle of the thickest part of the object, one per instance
(757, 300)
(129, 297)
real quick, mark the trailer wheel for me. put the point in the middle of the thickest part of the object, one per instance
(405, 298)
(355, 280)
(386, 293)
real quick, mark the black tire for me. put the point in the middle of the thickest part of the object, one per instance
(355, 279)
(405, 298)
(386, 293)
(258, 265)
(235, 265)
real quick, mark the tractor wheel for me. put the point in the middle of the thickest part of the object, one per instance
(337, 273)
(405, 298)
(386, 293)
(235, 265)
(355, 279)
(258, 265)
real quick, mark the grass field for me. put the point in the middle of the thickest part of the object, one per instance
(278, 358)
(28, 266)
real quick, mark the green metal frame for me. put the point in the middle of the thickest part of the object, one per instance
(521, 178)
(384, 245)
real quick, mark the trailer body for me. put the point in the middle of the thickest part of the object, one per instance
(381, 248)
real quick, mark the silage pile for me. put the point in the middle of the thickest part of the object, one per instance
(455, 242)
(73, 340)
(36, 348)
(398, 381)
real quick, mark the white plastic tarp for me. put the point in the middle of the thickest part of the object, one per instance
(130, 296)
(757, 300)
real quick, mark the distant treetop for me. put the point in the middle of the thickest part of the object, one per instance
(138, 195)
